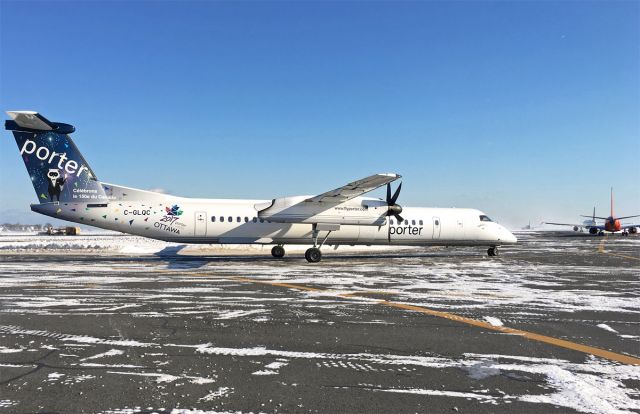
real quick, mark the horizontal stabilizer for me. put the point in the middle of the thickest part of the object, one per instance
(627, 217)
(33, 121)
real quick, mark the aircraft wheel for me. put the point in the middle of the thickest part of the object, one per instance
(277, 251)
(601, 233)
(313, 255)
(493, 251)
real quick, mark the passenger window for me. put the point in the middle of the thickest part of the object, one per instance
(437, 222)
(230, 219)
(420, 222)
(238, 219)
(413, 222)
(221, 219)
(391, 222)
(213, 219)
(255, 219)
(485, 218)
(246, 219)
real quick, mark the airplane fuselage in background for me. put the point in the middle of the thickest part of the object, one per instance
(612, 224)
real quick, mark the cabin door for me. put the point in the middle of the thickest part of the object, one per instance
(200, 224)
(436, 228)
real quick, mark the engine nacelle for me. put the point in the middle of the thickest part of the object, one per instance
(593, 231)
(299, 209)
(633, 230)
(576, 228)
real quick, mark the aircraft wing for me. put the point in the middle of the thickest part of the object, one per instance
(354, 189)
(565, 224)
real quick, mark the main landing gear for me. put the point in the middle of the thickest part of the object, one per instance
(314, 255)
(493, 251)
(277, 251)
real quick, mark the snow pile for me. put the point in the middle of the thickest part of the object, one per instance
(127, 244)
(95, 241)
(493, 321)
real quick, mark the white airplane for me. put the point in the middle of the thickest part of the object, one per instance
(586, 224)
(68, 189)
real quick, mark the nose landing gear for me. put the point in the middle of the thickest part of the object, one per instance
(492, 251)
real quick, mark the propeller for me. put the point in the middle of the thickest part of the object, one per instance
(393, 208)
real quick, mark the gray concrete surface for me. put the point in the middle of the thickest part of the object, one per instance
(201, 334)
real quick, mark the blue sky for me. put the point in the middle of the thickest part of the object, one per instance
(526, 110)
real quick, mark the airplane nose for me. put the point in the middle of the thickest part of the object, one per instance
(509, 237)
(504, 236)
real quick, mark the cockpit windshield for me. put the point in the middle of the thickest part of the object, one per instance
(485, 218)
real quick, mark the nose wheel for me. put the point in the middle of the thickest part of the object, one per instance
(313, 255)
(277, 252)
(493, 251)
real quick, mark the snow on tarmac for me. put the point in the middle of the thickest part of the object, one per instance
(499, 292)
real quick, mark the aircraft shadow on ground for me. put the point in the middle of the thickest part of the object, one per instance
(175, 260)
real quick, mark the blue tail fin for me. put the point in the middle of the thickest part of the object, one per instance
(57, 169)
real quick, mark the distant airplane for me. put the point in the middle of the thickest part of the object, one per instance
(611, 224)
(68, 189)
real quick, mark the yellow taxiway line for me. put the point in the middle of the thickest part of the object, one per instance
(625, 359)
(602, 250)
(613, 356)
(603, 353)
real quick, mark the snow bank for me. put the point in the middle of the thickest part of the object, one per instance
(134, 245)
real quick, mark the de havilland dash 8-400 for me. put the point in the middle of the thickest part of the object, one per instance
(68, 189)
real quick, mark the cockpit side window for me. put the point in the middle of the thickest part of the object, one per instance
(485, 218)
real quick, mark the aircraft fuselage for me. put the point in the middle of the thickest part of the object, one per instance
(225, 221)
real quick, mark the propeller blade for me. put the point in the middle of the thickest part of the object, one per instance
(388, 192)
(395, 195)
(398, 217)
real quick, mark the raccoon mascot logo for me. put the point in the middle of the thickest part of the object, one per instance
(56, 183)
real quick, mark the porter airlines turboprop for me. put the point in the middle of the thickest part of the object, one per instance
(68, 189)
